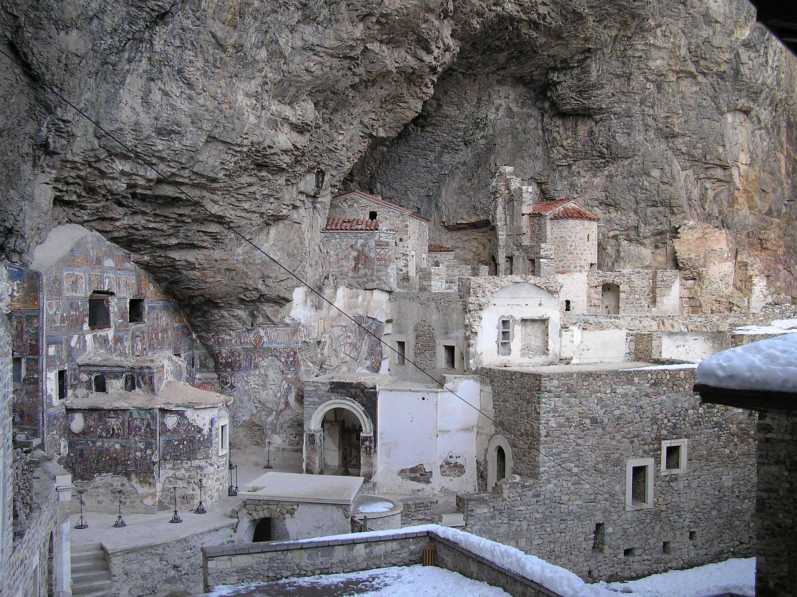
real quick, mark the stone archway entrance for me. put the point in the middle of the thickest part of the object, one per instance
(499, 460)
(339, 440)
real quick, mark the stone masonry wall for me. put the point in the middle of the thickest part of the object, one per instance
(6, 451)
(591, 424)
(161, 569)
(574, 243)
(776, 505)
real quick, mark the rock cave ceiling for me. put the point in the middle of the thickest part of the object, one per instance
(655, 114)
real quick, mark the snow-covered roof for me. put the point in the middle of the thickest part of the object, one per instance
(766, 366)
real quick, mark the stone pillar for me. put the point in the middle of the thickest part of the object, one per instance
(314, 452)
(367, 456)
(62, 547)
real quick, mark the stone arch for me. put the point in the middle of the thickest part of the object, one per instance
(314, 436)
(498, 442)
(358, 411)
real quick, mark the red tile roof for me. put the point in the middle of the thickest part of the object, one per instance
(438, 248)
(380, 201)
(563, 209)
(351, 224)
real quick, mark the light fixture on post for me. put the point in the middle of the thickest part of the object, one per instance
(82, 523)
(175, 517)
(200, 509)
(119, 520)
(232, 491)
(268, 454)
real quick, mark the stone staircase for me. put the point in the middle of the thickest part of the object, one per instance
(91, 576)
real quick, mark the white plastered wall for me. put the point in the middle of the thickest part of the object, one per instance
(574, 289)
(594, 346)
(518, 301)
(429, 427)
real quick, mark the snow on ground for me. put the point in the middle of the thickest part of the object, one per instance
(734, 576)
(674, 366)
(767, 365)
(375, 506)
(395, 581)
(779, 326)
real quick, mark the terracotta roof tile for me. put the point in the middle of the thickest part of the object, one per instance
(380, 201)
(351, 224)
(562, 209)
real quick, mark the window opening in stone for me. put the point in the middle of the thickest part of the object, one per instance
(533, 337)
(672, 457)
(401, 357)
(610, 299)
(135, 310)
(130, 382)
(509, 266)
(500, 464)
(99, 383)
(224, 438)
(599, 538)
(341, 443)
(493, 266)
(18, 372)
(567, 304)
(62, 384)
(692, 535)
(505, 337)
(371, 215)
(262, 531)
(100, 310)
(629, 552)
(532, 266)
(639, 483)
(449, 354)
(666, 547)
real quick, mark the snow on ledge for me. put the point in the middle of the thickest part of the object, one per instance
(736, 576)
(766, 366)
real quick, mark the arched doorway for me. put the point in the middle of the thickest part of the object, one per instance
(341, 442)
(499, 460)
(262, 531)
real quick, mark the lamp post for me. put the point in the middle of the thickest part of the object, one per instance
(231, 490)
(119, 520)
(236, 479)
(200, 509)
(268, 454)
(82, 524)
(175, 517)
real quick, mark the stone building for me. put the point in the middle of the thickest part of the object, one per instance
(762, 378)
(410, 229)
(34, 490)
(621, 472)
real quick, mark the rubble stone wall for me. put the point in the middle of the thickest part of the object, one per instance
(776, 504)
(362, 259)
(588, 425)
(574, 243)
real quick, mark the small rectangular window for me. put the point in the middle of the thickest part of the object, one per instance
(673, 456)
(666, 547)
(449, 354)
(224, 440)
(567, 304)
(509, 265)
(629, 552)
(19, 371)
(135, 310)
(100, 310)
(62, 384)
(372, 215)
(532, 267)
(401, 348)
(639, 483)
(599, 538)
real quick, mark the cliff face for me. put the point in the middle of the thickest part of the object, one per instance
(655, 114)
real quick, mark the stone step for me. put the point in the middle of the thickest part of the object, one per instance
(87, 576)
(90, 588)
(86, 547)
(88, 558)
(101, 593)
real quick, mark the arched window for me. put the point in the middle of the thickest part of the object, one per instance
(100, 310)
(500, 464)
(99, 383)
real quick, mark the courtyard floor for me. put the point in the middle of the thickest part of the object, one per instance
(396, 581)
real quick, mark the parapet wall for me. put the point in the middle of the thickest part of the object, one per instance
(262, 562)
